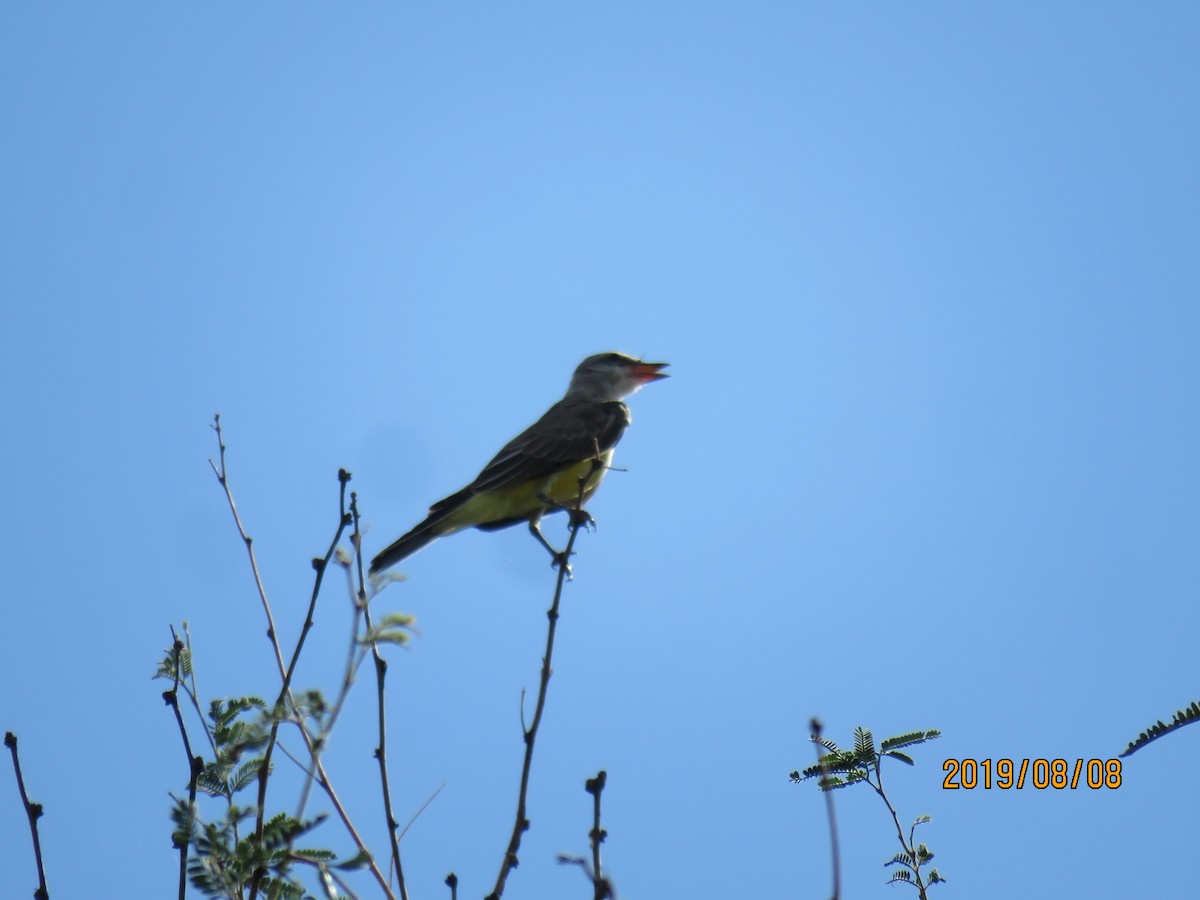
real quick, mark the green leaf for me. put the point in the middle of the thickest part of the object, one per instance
(212, 781)
(166, 668)
(864, 743)
(279, 889)
(1185, 716)
(316, 855)
(394, 628)
(246, 773)
(908, 740)
(222, 712)
(832, 763)
(362, 859)
(832, 783)
(824, 742)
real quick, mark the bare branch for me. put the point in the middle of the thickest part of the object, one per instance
(521, 825)
(815, 726)
(380, 678)
(602, 889)
(33, 812)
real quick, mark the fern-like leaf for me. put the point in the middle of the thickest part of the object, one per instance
(246, 773)
(222, 712)
(910, 739)
(212, 781)
(315, 855)
(864, 743)
(824, 742)
(1185, 716)
(167, 668)
(279, 889)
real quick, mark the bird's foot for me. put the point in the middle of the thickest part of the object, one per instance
(576, 515)
(581, 517)
(559, 559)
(562, 560)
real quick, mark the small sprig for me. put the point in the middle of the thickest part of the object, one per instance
(839, 768)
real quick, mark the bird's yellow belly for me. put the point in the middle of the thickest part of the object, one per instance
(522, 500)
(564, 487)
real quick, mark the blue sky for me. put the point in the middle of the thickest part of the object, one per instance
(927, 278)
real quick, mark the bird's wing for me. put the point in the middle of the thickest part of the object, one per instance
(568, 433)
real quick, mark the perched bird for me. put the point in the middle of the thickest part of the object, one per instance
(538, 471)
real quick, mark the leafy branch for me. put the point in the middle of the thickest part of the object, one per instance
(837, 768)
(243, 733)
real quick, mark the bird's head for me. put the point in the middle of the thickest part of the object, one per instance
(612, 376)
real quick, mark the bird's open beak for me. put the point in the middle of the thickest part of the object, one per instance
(646, 372)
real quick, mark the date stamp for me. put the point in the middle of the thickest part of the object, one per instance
(1005, 774)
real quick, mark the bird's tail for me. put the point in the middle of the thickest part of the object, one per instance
(427, 532)
(406, 546)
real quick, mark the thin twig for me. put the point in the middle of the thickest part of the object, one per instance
(285, 672)
(335, 800)
(602, 890)
(223, 479)
(33, 812)
(380, 678)
(911, 851)
(328, 878)
(310, 775)
(421, 809)
(521, 825)
(190, 688)
(815, 727)
(195, 763)
(452, 883)
(285, 694)
(342, 884)
(354, 657)
(567, 859)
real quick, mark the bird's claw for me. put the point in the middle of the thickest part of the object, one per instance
(562, 560)
(581, 517)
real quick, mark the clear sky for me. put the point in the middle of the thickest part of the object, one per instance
(927, 275)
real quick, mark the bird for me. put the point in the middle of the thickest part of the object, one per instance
(541, 470)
